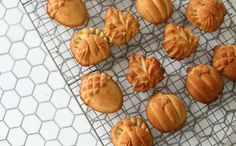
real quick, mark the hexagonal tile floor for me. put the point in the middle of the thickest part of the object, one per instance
(36, 109)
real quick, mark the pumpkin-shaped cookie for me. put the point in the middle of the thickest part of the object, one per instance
(224, 60)
(131, 131)
(70, 13)
(100, 92)
(90, 46)
(120, 27)
(204, 83)
(207, 15)
(154, 11)
(179, 42)
(166, 112)
(144, 73)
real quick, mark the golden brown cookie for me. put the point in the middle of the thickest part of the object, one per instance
(70, 13)
(120, 27)
(154, 11)
(204, 83)
(166, 112)
(144, 73)
(207, 15)
(224, 60)
(100, 92)
(179, 42)
(90, 46)
(131, 131)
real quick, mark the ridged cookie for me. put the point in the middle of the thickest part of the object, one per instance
(144, 73)
(90, 46)
(120, 27)
(166, 112)
(204, 83)
(179, 42)
(207, 15)
(131, 131)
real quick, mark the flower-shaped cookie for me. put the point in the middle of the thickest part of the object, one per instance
(131, 132)
(70, 13)
(207, 15)
(100, 92)
(224, 60)
(204, 83)
(90, 46)
(179, 42)
(166, 112)
(120, 27)
(154, 11)
(144, 73)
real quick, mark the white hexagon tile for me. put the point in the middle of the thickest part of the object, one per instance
(36, 107)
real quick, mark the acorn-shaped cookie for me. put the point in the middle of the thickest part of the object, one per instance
(100, 92)
(207, 15)
(120, 27)
(166, 112)
(70, 13)
(131, 131)
(144, 73)
(179, 42)
(90, 46)
(224, 60)
(154, 11)
(204, 83)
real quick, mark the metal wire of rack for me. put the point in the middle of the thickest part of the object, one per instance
(206, 125)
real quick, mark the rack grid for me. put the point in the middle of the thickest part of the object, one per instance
(212, 124)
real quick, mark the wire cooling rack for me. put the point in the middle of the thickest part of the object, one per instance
(205, 125)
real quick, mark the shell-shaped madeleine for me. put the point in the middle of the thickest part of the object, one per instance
(224, 60)
(207, 15)
(179, 42)
(100, 92)
(131, 131)
(166, 112)
(120, 27)
(90, 46)
(70, 13)
(144, 73)
(204, 83)
(154, 11)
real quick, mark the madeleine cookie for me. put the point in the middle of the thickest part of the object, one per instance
(166, 112)
(90, 46)
(144, 73)
(131, 132)
(100, 92)
(120, 27)
(70, 13)
(179, 42)
(204, 83)
(224, 60)
(207, 15)
(154, 11)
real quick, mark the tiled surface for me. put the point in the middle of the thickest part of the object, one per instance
(36, 107)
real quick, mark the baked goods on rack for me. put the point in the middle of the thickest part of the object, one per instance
(204, 83)
(166, 112)
(90, 46)
(224, 60)
(144, 73)
(120, 27)
(179, 42)
(207, 15)
(100, 92)
(154, 11)
(131, 131)
(70, 13)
